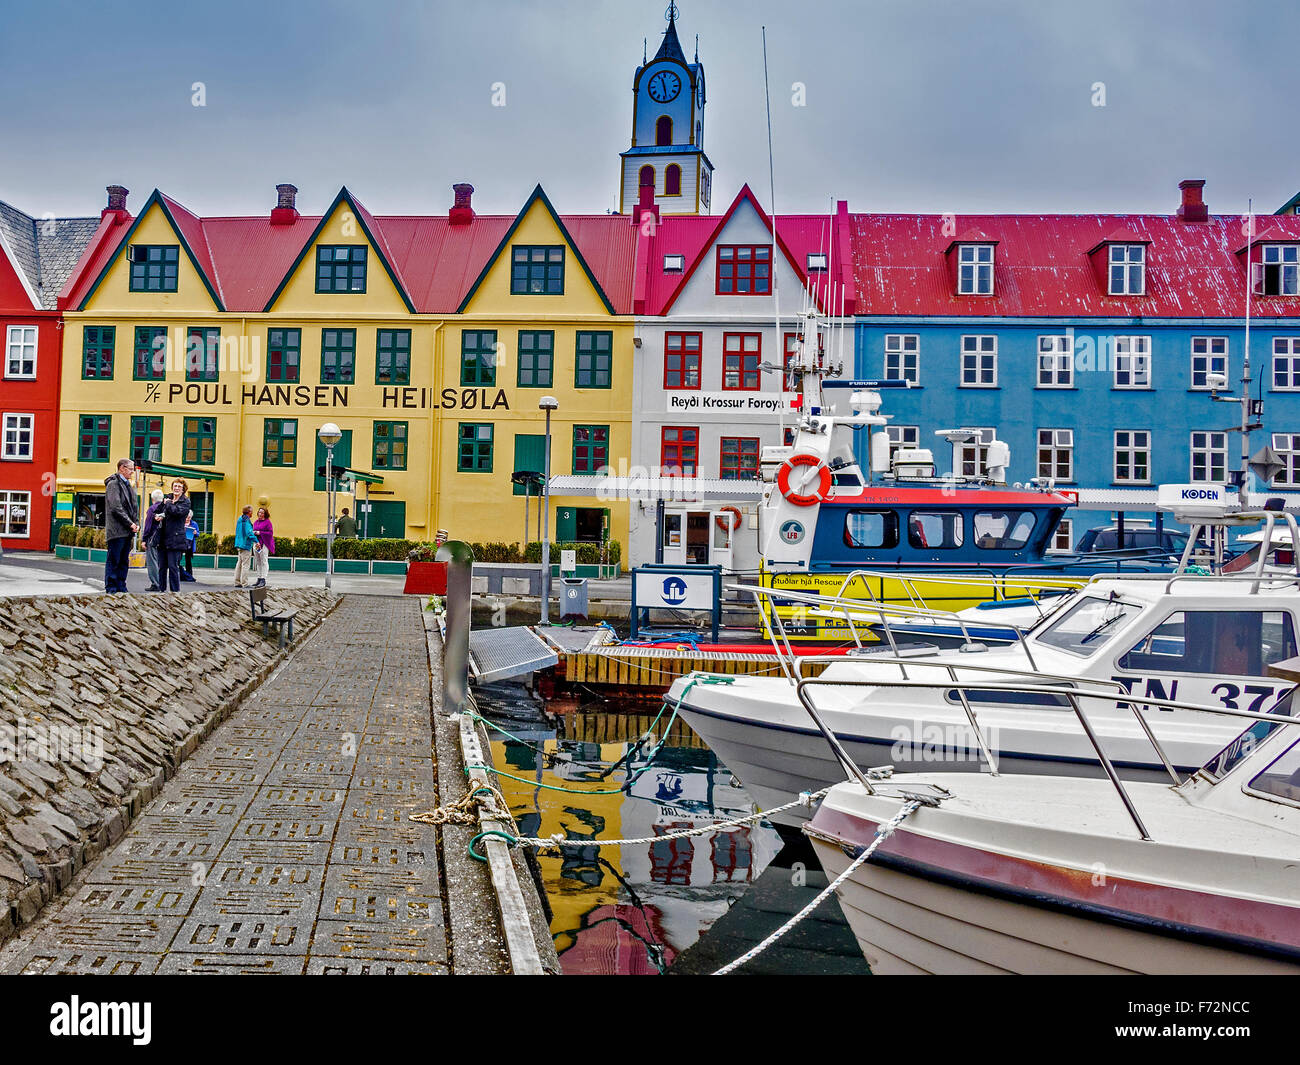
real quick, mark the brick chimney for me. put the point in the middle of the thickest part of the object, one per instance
(285, 211)
(461, 213)
(116, 208)
(645, 202)
(1193, 208)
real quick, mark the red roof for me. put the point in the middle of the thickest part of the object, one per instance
(1042, 267)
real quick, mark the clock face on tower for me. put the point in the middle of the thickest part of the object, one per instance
(665, 86)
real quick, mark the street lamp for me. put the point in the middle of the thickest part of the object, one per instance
(329, 434)
(548, 404)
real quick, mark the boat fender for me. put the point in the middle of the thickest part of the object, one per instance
(734, 520)
(801, 499)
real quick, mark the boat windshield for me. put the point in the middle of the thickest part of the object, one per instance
(1281, 780)
(1241, 747)
(1089, 624)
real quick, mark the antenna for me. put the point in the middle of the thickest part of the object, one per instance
(771, 178)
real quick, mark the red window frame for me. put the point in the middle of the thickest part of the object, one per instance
(735, 470)
(735, 270)
(743, 363)
(679, 450)
(688, 360)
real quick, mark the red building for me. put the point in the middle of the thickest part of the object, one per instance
(37, 255)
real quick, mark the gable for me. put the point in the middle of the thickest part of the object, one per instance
(537, 225)
(111, 290)
(15, 292)
(345, 224)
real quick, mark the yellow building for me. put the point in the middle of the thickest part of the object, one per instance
(218, 346)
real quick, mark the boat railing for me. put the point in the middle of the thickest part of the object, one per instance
(1030, 587)
(1073, 695)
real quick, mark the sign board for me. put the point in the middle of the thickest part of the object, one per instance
(676, 587)
(687, 401)
(568, 561)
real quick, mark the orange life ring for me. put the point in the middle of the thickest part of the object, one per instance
(736, 519)
(801, 499)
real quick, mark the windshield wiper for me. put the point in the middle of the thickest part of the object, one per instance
(1103, 627)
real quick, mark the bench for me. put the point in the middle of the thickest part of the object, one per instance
(270, 614)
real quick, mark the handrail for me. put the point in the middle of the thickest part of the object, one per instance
(1072, 694)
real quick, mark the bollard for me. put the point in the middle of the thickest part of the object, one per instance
(455, 655)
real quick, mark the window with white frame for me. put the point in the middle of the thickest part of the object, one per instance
(1062, 538)
(1055, 362)
(1209, 356)
(975, 269)
(973, 456)
(15, 514)
(1132, 362)
(1287, 446)
(1209, 456)
(1128, 269)
(979, 361)
(1056, 454)
(902, 436)
(902, 357)
(1132, 456)
(1286, 364)
(20, 351)
(17, 437)
(1281, 270)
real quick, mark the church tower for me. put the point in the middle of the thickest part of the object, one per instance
(668, 132)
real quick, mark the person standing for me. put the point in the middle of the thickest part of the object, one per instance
(245, 538)
(345, 524)
(265, 545)
(151, 536)
(121, 523)
(191, 542)
(176, 510)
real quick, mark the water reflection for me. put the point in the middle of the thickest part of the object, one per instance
(634, 909)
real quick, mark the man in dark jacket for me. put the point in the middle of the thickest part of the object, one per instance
(121, 521)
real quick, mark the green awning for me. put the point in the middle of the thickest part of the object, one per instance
(361, 475)
(192, 473)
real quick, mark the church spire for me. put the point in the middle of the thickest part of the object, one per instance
(672, 47)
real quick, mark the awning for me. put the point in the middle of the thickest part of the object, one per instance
(192, 473)
(669, 489)
(347, 473)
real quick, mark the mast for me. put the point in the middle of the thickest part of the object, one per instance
(776, 299)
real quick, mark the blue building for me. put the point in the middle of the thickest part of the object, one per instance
(1091, 344)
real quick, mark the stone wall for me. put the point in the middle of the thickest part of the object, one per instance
(101, 698)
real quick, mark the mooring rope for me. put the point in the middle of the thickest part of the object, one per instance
(882, 833)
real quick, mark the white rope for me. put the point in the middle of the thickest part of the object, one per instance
(882, 834)
(805, 799)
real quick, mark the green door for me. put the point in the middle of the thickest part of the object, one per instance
(386, 519)
(342, 457)
(566, 524)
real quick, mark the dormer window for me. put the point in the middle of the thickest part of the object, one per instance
(975, 270)
(1128, 269)
(1281, 264)
(153, 267)
(341, 268)
(816, 262)
(744, 270)
(674, 264)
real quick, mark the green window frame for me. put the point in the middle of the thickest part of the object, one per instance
(536, 358)
(341, 267)
(283, 354)
(94, 432)
(154, 267)
(537, 270)
(199, 442)
(280, 442)
(97, 343)
(389, 450)
(146, 437)
(150, 363)
(594, 360)
(478, 357)
(393, 357)
(338, 356)
(202, 350)
(474, 447)
(590, 448)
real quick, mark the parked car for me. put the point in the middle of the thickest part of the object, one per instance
(1138, 540)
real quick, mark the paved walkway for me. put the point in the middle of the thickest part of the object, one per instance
(283, 845)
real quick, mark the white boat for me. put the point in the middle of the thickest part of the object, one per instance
(1190, 639)
(1044, 875)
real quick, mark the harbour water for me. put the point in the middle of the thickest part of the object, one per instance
(669, 904)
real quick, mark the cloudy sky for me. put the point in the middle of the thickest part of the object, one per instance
(911, 105)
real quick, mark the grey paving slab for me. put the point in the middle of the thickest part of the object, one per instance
(231, 964)
(76, 961)
(388, 941)
(318, 966)
(245, 934)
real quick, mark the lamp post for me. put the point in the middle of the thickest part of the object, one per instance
(329, 434)
(548, 404)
